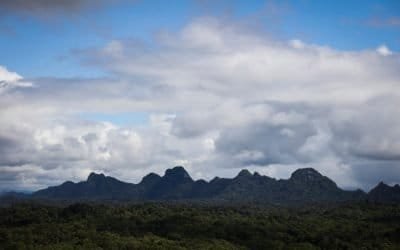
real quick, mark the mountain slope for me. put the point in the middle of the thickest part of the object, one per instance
(384, 193)
(97, 186)
(304, 185)
(175, 184)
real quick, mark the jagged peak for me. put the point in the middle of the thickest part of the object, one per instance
(382, 184)
(384, 192)
(244, 173)
(177, 172)
(94, 176)
(216, 178)
(201, 181)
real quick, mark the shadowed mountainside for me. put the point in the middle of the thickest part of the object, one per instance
(304, 185)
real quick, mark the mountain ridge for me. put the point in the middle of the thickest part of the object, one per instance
(304, 185)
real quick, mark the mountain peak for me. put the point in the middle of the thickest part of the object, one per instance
(93, 177)
(177, 172)
(150, 179)
(381, 187)
(244, 173)
(385, 193)
(382, 184)
(306, 174)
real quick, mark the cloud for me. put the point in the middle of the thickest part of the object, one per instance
(10, 80)
(49, 8)
(219, 98)
(384, 51)
(297, 44)
(43, 4)
(46, 8)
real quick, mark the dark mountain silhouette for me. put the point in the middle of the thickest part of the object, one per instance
(97, 186)
(304, 185)
(175, 184)
(385, 194)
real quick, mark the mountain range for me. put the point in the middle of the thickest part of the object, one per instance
(304, 186)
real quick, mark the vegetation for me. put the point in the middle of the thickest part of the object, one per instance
(185, 226)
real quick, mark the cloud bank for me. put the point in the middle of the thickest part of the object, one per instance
(52, 8)
(218, 97)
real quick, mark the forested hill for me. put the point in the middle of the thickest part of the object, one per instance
(304, 186)
(188, 226)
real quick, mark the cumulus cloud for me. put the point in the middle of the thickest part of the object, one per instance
(218, 98)
(10, 80)
(384, 51)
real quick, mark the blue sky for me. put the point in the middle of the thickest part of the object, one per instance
(128, 87)
(47, 42)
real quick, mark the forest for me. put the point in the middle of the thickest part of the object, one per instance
(361, 225)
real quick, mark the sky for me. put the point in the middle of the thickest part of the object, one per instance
(128, 87)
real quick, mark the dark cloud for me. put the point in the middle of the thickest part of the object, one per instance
(264, 144)
(371, 132)
(43, 5)
(51, 8)
(46, 8)
(191, 125)
(382, 156)
(370, 173)
(14, 147)
(6, 143)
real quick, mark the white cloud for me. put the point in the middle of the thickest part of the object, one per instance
(384, 51)
(8, 76)
(297, 44)
(9, 80)
(219, 98)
